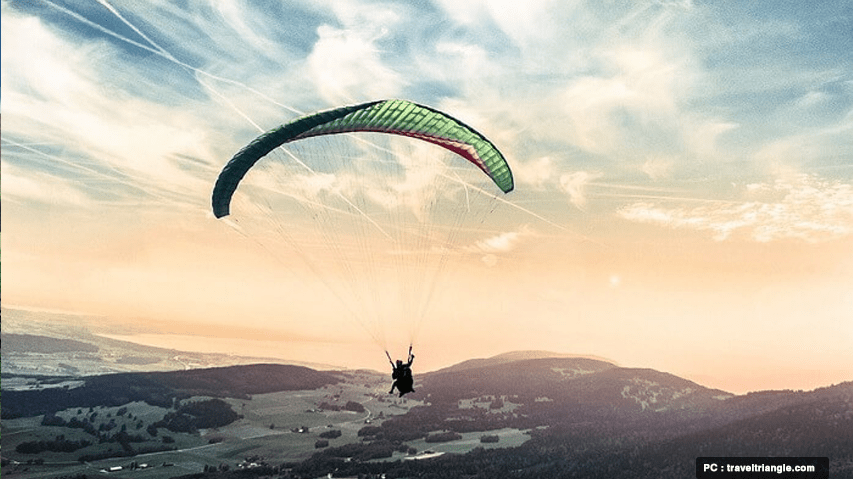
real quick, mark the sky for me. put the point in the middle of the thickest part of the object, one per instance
(683, 178)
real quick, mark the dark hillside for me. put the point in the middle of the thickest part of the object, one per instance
(644, 390)
(576, 396)
(240, 381)
(529, 379)
(819, 425)
(572, 381)
(161, 388)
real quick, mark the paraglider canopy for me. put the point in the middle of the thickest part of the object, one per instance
(398, 117)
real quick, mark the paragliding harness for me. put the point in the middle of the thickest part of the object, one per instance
(402, 374)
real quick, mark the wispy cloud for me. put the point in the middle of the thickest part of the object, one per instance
(802, 207)
(535, 173)
(41, 188)
(575, 184)
(76, 100)
(493, 247)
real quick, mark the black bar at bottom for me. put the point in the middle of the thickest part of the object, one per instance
(762, 467)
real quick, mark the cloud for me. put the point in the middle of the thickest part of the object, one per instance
(575, 184)
(702, 134)
(346, 67)
(657, 168)
(633, 97)
(535, 173)
(74, 108)
(801, 207)
(20, 185)
(500, 244)
(346, 63)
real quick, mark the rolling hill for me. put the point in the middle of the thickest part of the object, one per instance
(581, 417)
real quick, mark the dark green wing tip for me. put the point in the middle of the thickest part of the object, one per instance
(220, 212)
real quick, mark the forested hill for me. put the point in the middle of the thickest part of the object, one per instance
(160, 388)
(570, 380)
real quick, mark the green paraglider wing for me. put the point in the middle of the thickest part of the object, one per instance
(399, 117)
